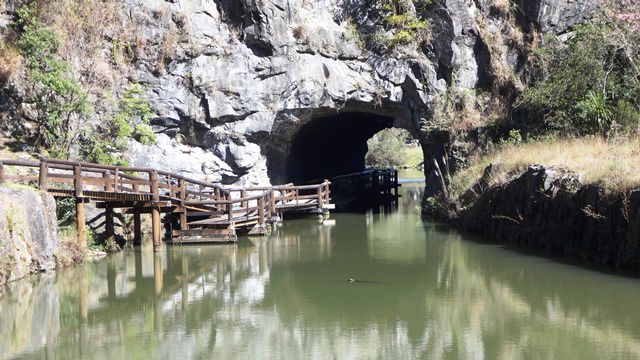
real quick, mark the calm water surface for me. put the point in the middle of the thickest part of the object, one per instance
(428, 292)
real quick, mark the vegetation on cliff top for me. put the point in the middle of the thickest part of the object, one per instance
(611, 163)
(585, 98)
(590, 83)
(54, 53)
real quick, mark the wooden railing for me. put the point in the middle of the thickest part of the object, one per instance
(118, 186)
(370, 186)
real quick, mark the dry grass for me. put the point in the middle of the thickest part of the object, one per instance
(500, 7)
(298, 32)
(85, 28)
(10, 60)
(615, 164)
(69, 252)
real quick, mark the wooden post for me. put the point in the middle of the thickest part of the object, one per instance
(80, 223)
(2, 178)
(230, 215)
(108, 225)
(245, 203)
(155, 231)
(182, 188)
(108, 186)
(172, 190)
(155, 212)
(327, 192)
(116, 180)
(319, 197)
(80, 216)
(272, 208)
(137, 228)
(43, 178)
(184, 221)
(261, 210)
(272, 205)
(395, 182)
(77, 180)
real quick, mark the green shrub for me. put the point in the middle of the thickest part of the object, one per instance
(66, 211)
(584, 80)
(106, 144)
(60, 100)
(144, 135)
(626, 116)
(592, 113)
(387, 149)
(403, 27)
(514, 138)
(401, 37)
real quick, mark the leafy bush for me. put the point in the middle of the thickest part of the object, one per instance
(584, 80)
(9, 60)
(105, 145)
(626, 115)
(514, 138)
(66, 211)
(60, 100)
(592, 113)
(404, 27)
(387, 149)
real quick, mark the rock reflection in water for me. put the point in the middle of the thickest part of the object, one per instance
(284, 296)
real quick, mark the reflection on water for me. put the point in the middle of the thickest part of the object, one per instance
(432, 295)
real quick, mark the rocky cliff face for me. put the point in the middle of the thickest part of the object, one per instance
(28, 233)
(547, 208)
(233, 81)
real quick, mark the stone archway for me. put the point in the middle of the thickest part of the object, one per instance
(308, 145)
(333, 145)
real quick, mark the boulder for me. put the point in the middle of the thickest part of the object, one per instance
(28, 232)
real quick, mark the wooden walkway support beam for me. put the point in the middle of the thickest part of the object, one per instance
(156, 231)
(79, 194)
(137, 228)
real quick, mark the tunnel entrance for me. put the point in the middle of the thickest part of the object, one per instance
(330, 146)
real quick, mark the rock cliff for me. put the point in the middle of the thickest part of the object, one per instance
(232, 82)
(547, 208)
(28, 233)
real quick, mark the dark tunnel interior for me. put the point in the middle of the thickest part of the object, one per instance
(331, 146)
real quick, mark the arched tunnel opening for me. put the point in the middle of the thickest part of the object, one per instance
(330, 146)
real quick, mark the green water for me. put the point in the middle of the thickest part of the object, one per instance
(433, 294)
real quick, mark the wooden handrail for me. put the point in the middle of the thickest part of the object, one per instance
(156, 184)
(227, 202)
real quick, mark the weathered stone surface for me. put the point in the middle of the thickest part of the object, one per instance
(232, 82)
(547, 208)
(242, 77)
(557, 15)
(28, 232)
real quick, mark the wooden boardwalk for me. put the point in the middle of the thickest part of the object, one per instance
(365, 189)
(195, 211)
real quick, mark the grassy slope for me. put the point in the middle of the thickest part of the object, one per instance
(613, 163)
(413, 156)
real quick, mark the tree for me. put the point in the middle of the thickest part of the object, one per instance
(104, 144)
(60, 101)
(589, 82)
(387, 149)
